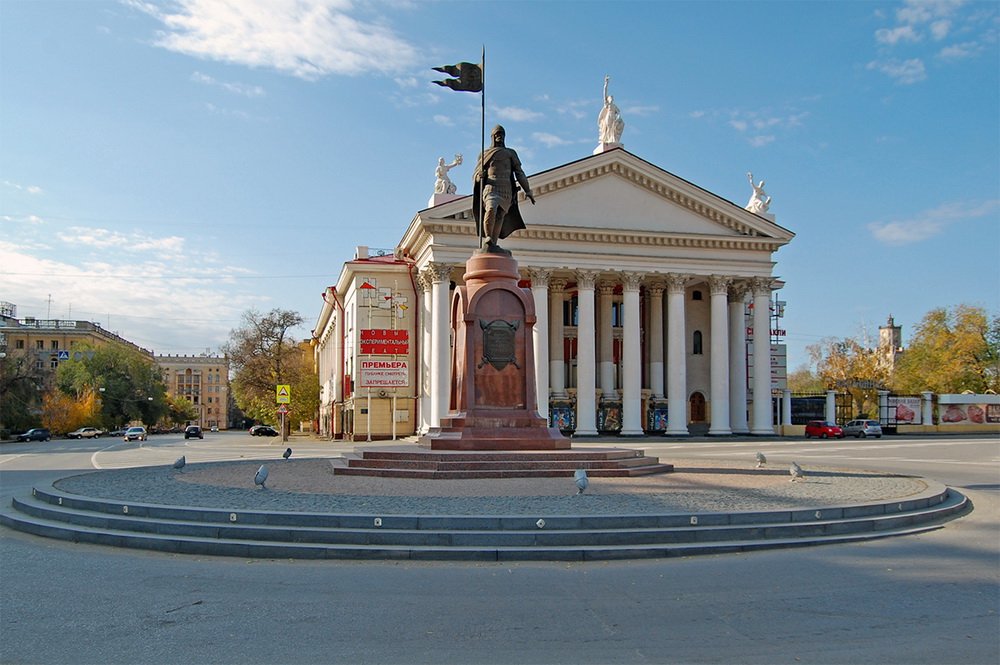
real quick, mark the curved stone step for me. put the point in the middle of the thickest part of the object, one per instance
(266, 534)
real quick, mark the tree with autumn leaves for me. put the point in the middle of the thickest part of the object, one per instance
(951, 351)
(263, 355)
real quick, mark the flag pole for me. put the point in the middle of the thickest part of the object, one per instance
(482, 151)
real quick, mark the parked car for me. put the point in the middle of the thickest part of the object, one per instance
(37, 434)
(823, 429)
(862, 428)
(85, 433)
(263, 430)
(118, 431)
(193, 431)
(136, 434)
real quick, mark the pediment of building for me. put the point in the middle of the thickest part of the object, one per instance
(617, 191)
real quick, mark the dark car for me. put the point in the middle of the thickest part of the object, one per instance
(824, 429)
(37, 434)
(263, 430)
(193, 431)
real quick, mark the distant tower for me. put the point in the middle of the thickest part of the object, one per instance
(890, 341)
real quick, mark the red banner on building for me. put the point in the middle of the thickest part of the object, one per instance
(385, 342)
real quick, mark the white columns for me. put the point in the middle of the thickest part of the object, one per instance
(676, 357)
(655, 290)
(440, 341)
(928, 409)
(831, 404)
(786, 407)
(607, 339)
(557, 368)
(719, 358)
(586, 355)
(762, 422)
(631, 356)
(540, 335)
(738, 360)
(426, 346)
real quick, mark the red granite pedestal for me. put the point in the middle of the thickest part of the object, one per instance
(493, 394)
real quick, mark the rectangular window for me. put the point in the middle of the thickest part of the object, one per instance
(55, 345)
(19, 344)
(40, 344)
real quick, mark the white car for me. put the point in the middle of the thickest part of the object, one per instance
(85, 433)
(862, 428)
(135, 434)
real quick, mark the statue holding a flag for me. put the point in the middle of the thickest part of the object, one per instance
(498, 172)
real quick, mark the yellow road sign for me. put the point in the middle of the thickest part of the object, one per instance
(284, 394)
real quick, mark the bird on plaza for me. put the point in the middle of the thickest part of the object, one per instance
(761, 460)
(581, 480)
(180, 464)
(796, 472)
(287, 453)
(261, 476)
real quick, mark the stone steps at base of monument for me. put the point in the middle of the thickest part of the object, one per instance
(416, 463)
(268, 534)
(431, 474)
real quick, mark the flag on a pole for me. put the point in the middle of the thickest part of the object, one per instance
(469, 77)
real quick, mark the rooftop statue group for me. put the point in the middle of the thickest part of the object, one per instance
(498, 175)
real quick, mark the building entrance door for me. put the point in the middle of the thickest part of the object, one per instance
(697, 408)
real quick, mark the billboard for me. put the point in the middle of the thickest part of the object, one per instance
(384, 374)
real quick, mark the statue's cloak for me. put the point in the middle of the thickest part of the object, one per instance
(512, 221)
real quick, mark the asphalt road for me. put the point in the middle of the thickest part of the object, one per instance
(930, 598)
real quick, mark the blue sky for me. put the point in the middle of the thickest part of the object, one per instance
(165, 166)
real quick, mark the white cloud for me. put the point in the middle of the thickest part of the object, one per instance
(130, 242)
(30, 189)
(940, 29)
(761, 141)
(642, 111)
(517, 114)
(929, 223)
(444, 121)
(142, 298)
(308, 39)
(236, 88)
(27, 219)
(903, 33)
(905, 71)
(960, 51)
(922, 11)
(550, 140)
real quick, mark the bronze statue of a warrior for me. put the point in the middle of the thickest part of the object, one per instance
(494, 193)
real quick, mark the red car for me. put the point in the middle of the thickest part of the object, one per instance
(824, 429)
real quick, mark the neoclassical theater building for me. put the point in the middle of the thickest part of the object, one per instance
(651, 295)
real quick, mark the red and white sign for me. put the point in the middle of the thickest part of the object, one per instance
(385, 342)
(384, 374)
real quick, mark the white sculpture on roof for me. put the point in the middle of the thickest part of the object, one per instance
(443, 184)
(610, 121)
(759, 200)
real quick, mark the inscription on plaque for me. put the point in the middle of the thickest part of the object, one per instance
(499, 346)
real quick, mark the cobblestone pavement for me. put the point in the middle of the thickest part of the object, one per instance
(309, 485)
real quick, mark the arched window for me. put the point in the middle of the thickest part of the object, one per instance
(696, 344)
(696, 295)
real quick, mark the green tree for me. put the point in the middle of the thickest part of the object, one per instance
(263, 355)
(951, 351)
(180, 410)
(20, 391)
(127, 382)
(803, 380)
